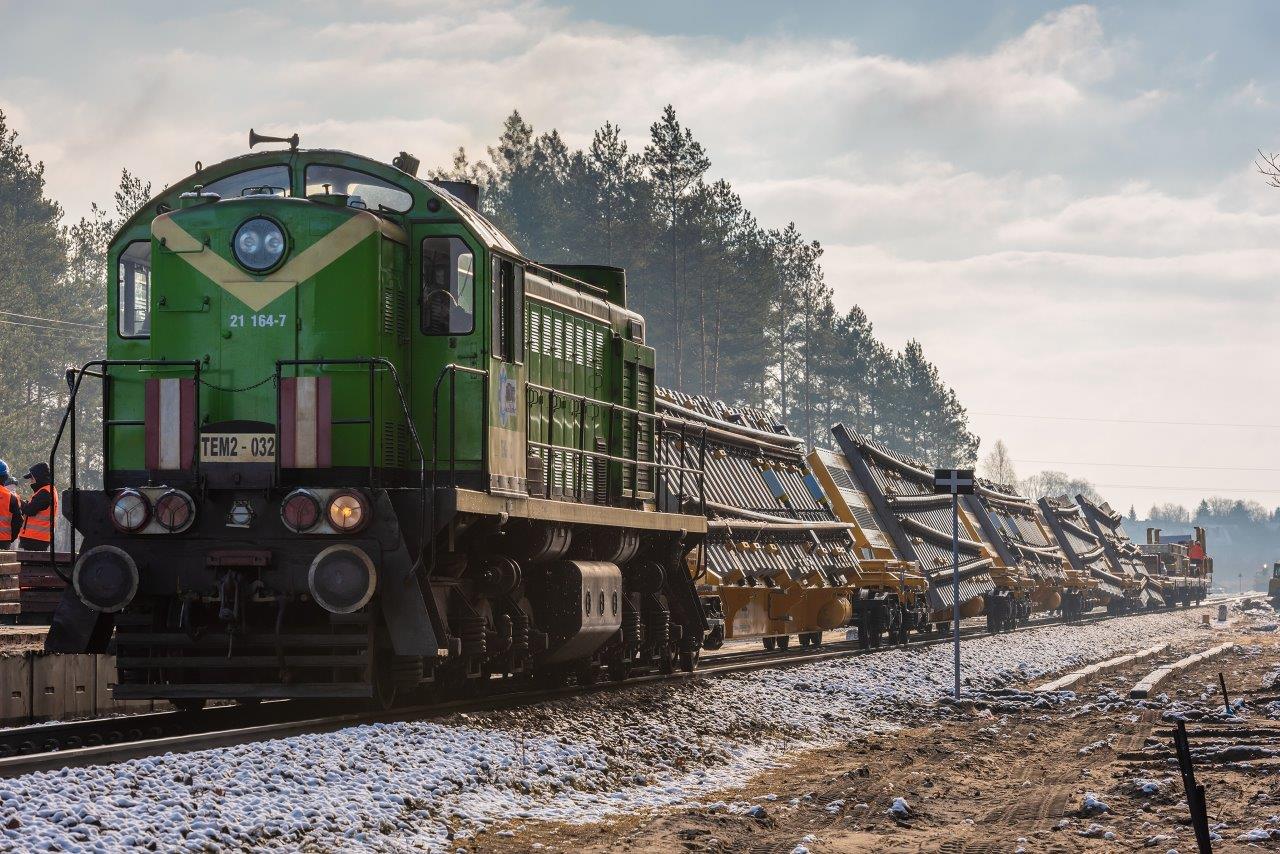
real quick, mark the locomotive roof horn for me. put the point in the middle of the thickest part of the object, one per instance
(255, 138)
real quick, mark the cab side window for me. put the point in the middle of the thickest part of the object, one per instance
(508, 315)
(133, 280)
(448, 286)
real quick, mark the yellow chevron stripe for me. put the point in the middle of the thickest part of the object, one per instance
(257, 294)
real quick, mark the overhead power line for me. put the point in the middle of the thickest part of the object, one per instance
(1218, 489)
(49, 320)
(1127, 420)
(1146, 465)
(45, 330)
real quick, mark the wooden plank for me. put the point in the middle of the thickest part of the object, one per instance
(10, 609)
(181, 639)
(544, 510)
(238, 661)
(41, 557)
(39, 600)
(39, 578)
(265, 690)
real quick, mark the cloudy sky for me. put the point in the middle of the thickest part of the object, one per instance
(1058, 201)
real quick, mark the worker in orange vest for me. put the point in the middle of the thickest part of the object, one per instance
(41, 512)
(10, 509)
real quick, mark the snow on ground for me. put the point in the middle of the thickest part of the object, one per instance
(432, 784)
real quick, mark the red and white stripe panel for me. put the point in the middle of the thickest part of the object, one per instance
(170, 423)
(306, 422)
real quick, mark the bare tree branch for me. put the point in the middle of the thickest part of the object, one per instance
(1269, 167)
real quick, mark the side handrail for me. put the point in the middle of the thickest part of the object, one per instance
(374, 363)
(451, 371)
(74, 378)
(581, 454)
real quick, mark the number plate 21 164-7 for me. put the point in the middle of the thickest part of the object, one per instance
(238, 447)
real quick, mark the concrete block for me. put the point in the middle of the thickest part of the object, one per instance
(1084, 674)
(62, 686)
(104, 682)
(1149, 683)
(15, 689)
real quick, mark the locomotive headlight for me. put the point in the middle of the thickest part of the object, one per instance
(300, 511)
(342, 579)
(130, 511)
(174, 510)
(258, 244)
(105, 578)
(348, 512)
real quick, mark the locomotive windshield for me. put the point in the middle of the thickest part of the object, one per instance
(265, 179)
(374, 192)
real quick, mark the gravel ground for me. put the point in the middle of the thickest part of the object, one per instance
(432, 785)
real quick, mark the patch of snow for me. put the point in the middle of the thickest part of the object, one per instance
(437, 784)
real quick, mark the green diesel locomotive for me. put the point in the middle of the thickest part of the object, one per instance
(354, 443)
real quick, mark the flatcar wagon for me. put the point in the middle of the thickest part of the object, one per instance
(775, 564)
(354, 443)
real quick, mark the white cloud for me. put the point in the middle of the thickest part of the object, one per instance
(1003, 205)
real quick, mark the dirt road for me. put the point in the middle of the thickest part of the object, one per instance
(1010, 771)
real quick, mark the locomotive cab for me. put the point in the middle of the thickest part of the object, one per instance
(353, 440)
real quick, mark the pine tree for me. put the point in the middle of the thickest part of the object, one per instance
(676, 162)
(618, 183)
(33, 263)
(735, 311)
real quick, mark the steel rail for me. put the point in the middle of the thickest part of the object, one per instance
(182, 732)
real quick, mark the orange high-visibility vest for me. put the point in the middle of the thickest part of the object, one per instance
(39, 526)
(6, 517)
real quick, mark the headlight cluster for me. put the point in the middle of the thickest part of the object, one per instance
(346, 511)
(258, 244)
(132, 511)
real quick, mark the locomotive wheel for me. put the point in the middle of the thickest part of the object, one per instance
(804, 639)
(619, 670)
(769, 643)
(784, 641)
(689, 661)
(384, 684)
(667, 662)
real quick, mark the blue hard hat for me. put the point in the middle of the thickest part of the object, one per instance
(4, 472)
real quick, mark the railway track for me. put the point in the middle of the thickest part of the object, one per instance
(46, 747)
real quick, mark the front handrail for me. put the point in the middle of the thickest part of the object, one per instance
(374, 363)
(74, 378)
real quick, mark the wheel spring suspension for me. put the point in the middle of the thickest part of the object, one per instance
(631, 630)
(406, 671)
(519, 633)
(471, 631)
(659, 628)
